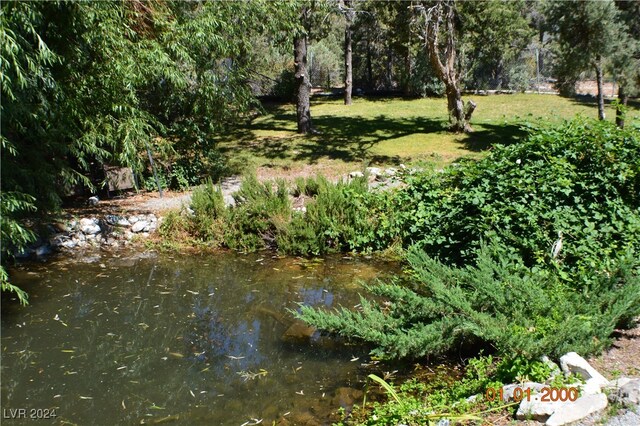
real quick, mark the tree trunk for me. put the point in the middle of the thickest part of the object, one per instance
(369, 66)
(348, 69)
(303, 109)
(457, 118)
(622, 106)
(445, 67)
(600, 90)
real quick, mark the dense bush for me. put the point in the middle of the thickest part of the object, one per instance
(581, 179)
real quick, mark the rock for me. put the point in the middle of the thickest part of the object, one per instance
(574, 363)
(117, 220)
(354, 175)
(579, 409)
(302, 209)
(89, 226)
(298, 332)
(43, 250)
(139, 226)
(374, 172)
(629, 393)
(92, 201)
(591, 387)
(68, 244)
(537, 410)
(390, 172)
(402, 166)
(133, 219)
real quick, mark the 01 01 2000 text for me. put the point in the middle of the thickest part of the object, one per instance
(547, 394)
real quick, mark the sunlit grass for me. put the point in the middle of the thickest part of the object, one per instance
(389, 131)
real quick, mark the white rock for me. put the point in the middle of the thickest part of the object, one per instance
(68, 243)
(402, 166)
(537, 410)
(374, 171)
(139, 226)
(574, 363)
(89, 226)
(619, 382)
(591, 387)
(133, 219)
(391, 171)
(579, 409)
(629, 393)
(92, 201)
(354, 175)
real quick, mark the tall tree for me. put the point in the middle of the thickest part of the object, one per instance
(586, 32)
(625, 64)
(303, 84)
(437, 21)
(349, 14)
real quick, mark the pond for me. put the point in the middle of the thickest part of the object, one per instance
(180, 339)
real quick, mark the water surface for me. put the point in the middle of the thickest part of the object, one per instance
(179, 339)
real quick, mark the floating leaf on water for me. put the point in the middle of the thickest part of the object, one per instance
(176, 355)
(301, 392)
(86, 397)
(165, 292)
(70, 373)
(192, 394)
(124, 407)
(298, 277)
(192, 292)
(155, 407)
(68, 351)
(276, 269)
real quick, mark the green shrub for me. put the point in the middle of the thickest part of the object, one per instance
(581, 178)
(344, 216)
(497, 303)
(260, 212)
(209, 213)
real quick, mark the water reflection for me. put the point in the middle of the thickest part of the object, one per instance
(193, 340)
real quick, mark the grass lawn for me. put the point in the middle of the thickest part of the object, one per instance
(389, 131)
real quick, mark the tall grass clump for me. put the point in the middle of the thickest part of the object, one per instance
(260, 212)
(341, 217)
(209, 212)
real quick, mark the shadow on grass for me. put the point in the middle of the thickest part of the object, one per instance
(488, 135)
(350, 139)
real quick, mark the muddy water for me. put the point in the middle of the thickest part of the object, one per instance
(179, 340)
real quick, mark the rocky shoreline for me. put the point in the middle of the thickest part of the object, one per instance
(94, 231)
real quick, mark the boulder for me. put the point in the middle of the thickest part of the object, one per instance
(628, 394)
(93, 201)
(577, 410)
(354, 175)
(139, 226)
(374, 172)
(89, 226)
(574, 363)
(535, 409)
(117, 220)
